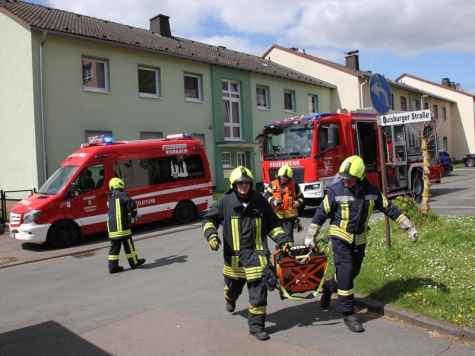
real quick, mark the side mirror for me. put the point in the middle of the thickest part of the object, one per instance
(73, 190)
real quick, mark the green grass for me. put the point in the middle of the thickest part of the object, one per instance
(434, 277)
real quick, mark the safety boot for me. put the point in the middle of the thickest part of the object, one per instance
(230, 305)
(116, 270)
(140, 262)
(261, 335)
(352, 323)
(326, 298)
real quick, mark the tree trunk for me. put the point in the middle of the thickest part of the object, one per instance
(426, 172)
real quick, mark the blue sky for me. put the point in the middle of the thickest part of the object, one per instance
(428, 39)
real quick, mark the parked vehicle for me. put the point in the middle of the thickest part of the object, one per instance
(315, 145)
(446, 162)
(469, 160)
(167, 178)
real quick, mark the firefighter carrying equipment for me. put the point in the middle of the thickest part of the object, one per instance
(269, 277)
(352, 167)
(287, 193)
(285, 172)
(119, 204)
(116, 183)
(240, 174)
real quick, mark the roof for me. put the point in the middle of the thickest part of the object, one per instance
(37, 17)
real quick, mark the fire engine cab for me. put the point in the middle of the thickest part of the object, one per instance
(315, 145)
(167, 178)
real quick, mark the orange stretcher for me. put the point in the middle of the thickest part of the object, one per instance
(300, 269)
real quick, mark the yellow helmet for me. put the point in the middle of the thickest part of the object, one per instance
(285, 172)
(240, 174)
(116, 183)
(352, 167)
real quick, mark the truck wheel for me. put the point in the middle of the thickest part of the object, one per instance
(418, 185)
(470, 162)
(184, 212)
(63, 234)
(448, 170)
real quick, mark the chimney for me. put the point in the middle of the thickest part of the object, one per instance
(294, 49)
(446, 82)
(352, 60)
(160, 25)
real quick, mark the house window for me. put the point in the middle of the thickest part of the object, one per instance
(415, 104)
(312, 103)
(403, 104)
(193, 87)
(392, 101)
(90, 134)
(94, 75)
(148, 82)
(231, 110)
(426, 105)
(444, 113)
(289, 104)
(262, 96)
(444, 142)
(226, 160)
(241, 159)
(436, 112)
(150, 135)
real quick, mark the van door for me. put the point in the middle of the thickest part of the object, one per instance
(365, 140)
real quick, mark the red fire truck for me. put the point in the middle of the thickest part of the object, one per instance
(167, 178)
(315, 145)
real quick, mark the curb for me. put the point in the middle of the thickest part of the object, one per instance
(415, 319)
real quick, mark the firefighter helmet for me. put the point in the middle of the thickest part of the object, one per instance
(285, 172)
(352, 167)
(240, 174)
(116, 183)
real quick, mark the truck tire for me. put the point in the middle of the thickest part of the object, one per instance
(470, 162)
(448, 171)
(418, 185)
(184, 213)
(63, 234)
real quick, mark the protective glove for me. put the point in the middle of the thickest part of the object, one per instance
(269, 278)
(278, 203)
(413, 233)
(214, 242)
(286, 245)
(312, 233)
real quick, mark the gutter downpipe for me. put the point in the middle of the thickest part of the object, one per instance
(361, 92)
(42, 96)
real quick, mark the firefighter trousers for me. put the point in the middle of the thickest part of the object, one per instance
(288, 226)
(348, 265)
(129, 250)
(256, 316)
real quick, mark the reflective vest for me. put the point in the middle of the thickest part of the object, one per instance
(288, 196)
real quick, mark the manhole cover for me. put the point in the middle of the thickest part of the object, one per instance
(84, 254)
(7, 260)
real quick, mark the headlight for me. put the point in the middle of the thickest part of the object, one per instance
(31, 216)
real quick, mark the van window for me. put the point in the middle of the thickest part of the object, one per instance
(90, 178)
(150, 171)
(58, 179)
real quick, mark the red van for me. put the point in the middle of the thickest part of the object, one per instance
(167, 178)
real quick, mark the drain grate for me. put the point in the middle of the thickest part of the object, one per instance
(84, 254)
(7, 260)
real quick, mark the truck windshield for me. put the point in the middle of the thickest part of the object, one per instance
(56, 182)
(289, 143)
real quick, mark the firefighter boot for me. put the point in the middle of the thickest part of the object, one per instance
(326, 298)
(230, 305)
(261, 335)
(352, 323)
(116, 270)
(140, 262)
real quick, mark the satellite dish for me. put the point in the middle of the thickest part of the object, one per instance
(457, 86)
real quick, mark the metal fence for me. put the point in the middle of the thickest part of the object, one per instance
(8, 199)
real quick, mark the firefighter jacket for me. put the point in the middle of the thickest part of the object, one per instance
(245, 226)
(349, 212)
(288, 193)
(119, 204)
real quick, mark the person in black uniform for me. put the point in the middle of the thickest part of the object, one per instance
(120, 205)
(247, 218)
(349, 204)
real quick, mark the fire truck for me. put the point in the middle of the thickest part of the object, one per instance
(315, 145)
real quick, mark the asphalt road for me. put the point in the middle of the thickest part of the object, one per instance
(64, 302)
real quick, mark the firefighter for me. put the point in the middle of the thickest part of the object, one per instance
(349, 204)
(247, 218)
(285, 196)
(120, 205)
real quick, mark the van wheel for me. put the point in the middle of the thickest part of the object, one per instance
(63, 234)
(184, 212)
(418, 186)
(448, 171)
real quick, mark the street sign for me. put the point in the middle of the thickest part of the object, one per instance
(409, 117)
(380, 93)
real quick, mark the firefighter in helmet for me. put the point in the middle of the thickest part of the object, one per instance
(285, 196)
(247, 218)
(120, 205)
(349, 204)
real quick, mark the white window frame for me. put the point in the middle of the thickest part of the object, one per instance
(229, 97)
(266, 97)
(89, 75)
(157, 82)
(241, 159)
(227, 162)
(198, 89)
(292, 100)
(313, 104)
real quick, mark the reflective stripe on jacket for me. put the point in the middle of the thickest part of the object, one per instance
(288, 193)
(119, 204)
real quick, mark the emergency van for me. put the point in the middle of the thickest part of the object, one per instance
(168, 179)
(315, 145)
